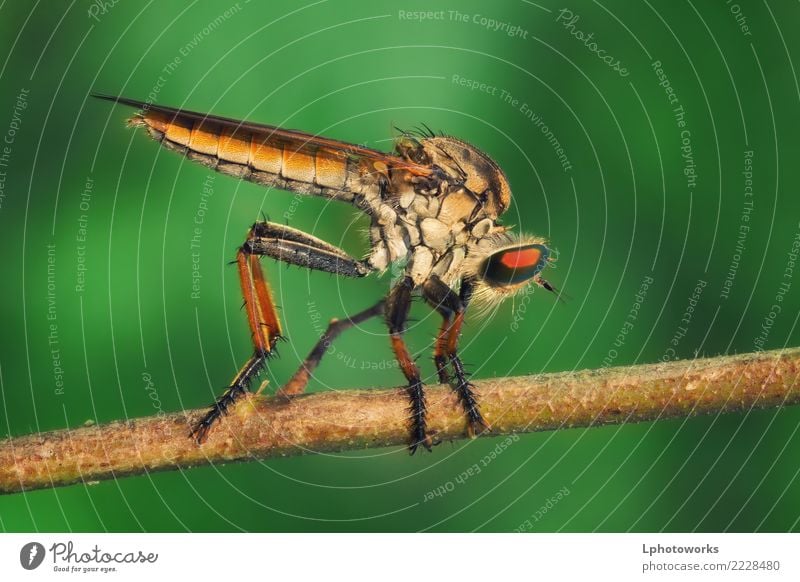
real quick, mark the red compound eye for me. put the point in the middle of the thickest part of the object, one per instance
(521, 259)
(515, 265)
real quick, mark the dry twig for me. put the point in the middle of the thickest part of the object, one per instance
(262, 427)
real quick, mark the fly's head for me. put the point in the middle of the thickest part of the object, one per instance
(503, 264)
(500, 263)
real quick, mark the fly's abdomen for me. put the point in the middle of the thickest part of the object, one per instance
(257, 157)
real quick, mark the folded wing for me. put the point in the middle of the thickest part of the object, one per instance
(271, 156)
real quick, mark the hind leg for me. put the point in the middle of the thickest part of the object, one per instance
(288, 245)
(265, 330)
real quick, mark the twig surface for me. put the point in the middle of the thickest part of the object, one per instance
(262, 427)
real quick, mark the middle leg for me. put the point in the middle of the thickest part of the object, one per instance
(298, 382)
(397, 307)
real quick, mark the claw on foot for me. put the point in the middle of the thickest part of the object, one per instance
(477, 426)
(199, 432)
(427, 439)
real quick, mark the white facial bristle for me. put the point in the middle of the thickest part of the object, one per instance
(486, 296)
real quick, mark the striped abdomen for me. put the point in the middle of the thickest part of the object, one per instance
(261, 157)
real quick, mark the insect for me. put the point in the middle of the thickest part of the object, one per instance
(433, 202)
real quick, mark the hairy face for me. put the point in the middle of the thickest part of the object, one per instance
(504, 264)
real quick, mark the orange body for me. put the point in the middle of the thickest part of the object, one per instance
(324, 168)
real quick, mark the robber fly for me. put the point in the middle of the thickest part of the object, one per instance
(433, 202)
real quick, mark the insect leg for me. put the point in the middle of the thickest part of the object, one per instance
(298, 382)
(296, 247)
(398, 305)
(452, 307)
(265, 329)
(290, 246)
(445, 302)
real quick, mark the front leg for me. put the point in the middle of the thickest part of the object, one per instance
(452, 308)
(398, 305)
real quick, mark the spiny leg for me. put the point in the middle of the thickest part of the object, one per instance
(291, 246)
(265, 329)
(296, 247)
(477, 424)
(442, 299)
(397, 307)
(300, 248)
(440, 347)
(298, 382)
(452, 308)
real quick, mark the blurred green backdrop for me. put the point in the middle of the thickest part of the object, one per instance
(639, 197)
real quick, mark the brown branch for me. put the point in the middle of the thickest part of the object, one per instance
(261, 427)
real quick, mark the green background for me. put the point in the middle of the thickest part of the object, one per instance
(352, 70)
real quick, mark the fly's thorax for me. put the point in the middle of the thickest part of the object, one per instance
(444, 249)
(450, 265)
(432, 231)
(472, 168)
